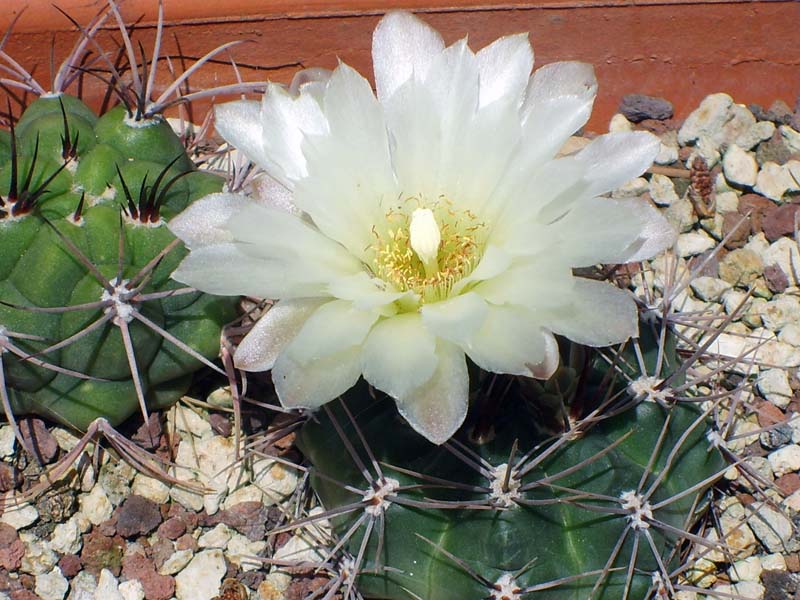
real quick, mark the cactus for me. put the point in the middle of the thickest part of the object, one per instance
(90, 323)
(609, 463)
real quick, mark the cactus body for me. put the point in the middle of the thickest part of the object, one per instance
(65, 157)
(569, 527)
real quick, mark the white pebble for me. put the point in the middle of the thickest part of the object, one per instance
(748, 569)
(7, 441)
(201, 578)
(785, 460)
(740, 167)
(107, 587)
(176, 562)
(18, 516)
(217, 537)
(52, 585)
(95, 505)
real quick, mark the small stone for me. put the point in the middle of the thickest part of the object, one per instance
(790, 334)
(70, 565)
(107, 587)
(95, 505)
(619, 124)
(7, 441)
(148, 436)
(201, 578)
(668, 150)
(102, 552)
(774, 180)
(774, 386)
(785, 460)
(132, 590)
(150, 488)
(727, 202)
(708, 119)
(791, 138)
(694, 243)
(115, 477)
(748, 569)
(275, 480)
(244, 553)
(82, 587)
(785, 254)
(638, 107)
(299, 549)
(681, 215)
(52, 585)
(175, 563)
(172, 528)
(19, 515)
(738, 537)
(780, 585)
(66, 538)
(709, 289)
(156, 586)
(778, 354)
(188, 421)
(773, 529)
(217, 537)
(187, 498)
(780, 222)
(707, 149)
(755, 134)
(38, 438)
(741, 267)
(773, 562)
(137, 516)
(740, 167)
(662, 190)
(630, 189)
(248, 493)
(776, 279)
(274, 586)
(782, 311)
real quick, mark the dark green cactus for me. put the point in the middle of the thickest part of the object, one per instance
(592, 511)
(90, 323)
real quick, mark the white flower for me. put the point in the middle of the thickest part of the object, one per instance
(406, 231)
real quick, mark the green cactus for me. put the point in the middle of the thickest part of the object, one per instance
(90, 323)
(591, 511)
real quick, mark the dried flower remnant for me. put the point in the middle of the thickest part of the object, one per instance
(408, 231)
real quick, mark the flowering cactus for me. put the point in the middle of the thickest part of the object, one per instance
(407, 232)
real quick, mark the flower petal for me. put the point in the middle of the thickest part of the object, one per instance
(312, 384)
(399, 355)
(505, 67)
(558, 102)
(239, 123)
(437, 408)
(605, 230)
(455, 319)
(402, 45)
(493, 262)
(364, 292)
(272, 333)
(509, 341)
(204, 221)
(548, 366)
(596, 313)
(333, 327)
(536, 283)
(349, 168)
(208, 268)
(286, 120)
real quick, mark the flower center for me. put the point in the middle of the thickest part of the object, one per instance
(426, 247)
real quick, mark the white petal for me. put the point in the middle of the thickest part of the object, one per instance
(365, 292)
(596, 313)
(615, 158)
(333, 327)
(558, 102)
(275, 235)
(536, 283)
(509, 341)
(493, 262)
(402, 45)
(271, 193)
(505, 66)
(272, 333)
(455, 319)
(349, 169)
(548, 366)
(225, 270)
(204, 221)
(604, 230)
(285, 121)
(239, 123)
(311, 385)
(437, 408)
(399, 355)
